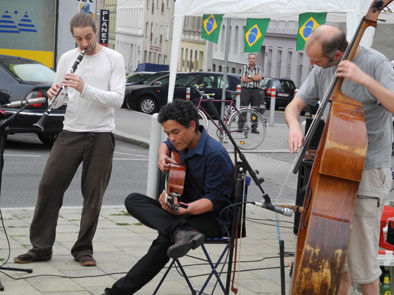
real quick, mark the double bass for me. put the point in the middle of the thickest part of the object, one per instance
(326, 221)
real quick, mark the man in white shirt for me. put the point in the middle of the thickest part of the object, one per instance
(94, 90)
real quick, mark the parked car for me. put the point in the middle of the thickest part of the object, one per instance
(146, 80)
(284, 91)
(150, 98)
(20, 79)
(137, 76)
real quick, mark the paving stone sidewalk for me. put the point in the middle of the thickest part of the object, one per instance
(120, 241)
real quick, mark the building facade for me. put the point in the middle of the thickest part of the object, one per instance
(129, 32)
(192, 53)
(110, 5)
(278, 55)
(158, 22)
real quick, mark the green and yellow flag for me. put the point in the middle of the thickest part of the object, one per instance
(307, 23)
(254, 33)
(211, 27)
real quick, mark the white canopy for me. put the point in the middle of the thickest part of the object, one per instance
(349, 11)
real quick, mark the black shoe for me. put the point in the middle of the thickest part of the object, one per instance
(255, 131)
(185, 240)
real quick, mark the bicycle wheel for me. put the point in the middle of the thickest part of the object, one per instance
(248, 128)
(202, 120)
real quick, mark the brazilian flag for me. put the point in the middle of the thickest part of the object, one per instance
(307, 23)
(211, 27)
(254, 33)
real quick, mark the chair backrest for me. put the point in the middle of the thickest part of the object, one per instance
(241, 209)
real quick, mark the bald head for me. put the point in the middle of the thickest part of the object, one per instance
(330, 38)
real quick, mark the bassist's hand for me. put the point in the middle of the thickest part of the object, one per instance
(296, 138)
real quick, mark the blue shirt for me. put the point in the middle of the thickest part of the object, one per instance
(209, 174)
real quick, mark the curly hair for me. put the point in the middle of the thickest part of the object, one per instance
(181, 111)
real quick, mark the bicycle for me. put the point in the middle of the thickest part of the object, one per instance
(246, 125)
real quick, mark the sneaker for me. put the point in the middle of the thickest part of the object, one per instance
(185, 240)
(27, 258)
(255, 131)
(86, 260)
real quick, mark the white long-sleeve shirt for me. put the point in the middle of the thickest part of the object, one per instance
(104, 77)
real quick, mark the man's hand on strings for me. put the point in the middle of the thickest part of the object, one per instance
(164, 206)
(296, 138)
(165, 162)
(349, 70)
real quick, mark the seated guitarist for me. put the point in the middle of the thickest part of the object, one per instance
(209, 183)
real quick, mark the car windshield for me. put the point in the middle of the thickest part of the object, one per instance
(33, 72)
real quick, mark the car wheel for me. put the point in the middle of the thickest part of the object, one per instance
(148, 105)
(127, 103)
(124, 104)
(48, 139)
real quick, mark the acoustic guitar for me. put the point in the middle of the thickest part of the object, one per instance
(175, 183)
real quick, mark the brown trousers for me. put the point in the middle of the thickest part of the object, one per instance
(95, 150)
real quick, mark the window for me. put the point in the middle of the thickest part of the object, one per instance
(167, 32)
(146, 30)
(153, 6)
(162, 6)
(236, 40)
(147, 4)
(161, 33)
(214, 81)
(289, 58)
(279, 63)
(151, 33)
(168, 3)
(220, 82)
(187, 81)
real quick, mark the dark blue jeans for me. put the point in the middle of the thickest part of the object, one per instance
(149, 212)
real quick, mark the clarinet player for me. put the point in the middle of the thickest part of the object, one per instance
(94, 91)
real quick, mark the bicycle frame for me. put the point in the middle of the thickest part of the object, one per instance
(231, 105)
(200, 107)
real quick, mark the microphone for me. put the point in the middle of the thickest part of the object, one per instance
(277, 209)
(16, 104)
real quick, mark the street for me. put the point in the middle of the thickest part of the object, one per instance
(25, 158)
(24, 162)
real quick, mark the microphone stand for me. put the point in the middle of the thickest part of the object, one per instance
(258, 181)
(3, 133)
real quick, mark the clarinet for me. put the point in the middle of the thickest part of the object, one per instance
(40, 124)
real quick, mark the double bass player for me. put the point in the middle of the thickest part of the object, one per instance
(368, 79)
